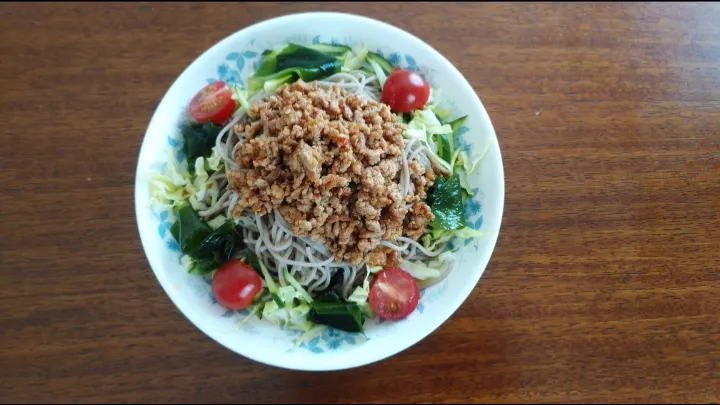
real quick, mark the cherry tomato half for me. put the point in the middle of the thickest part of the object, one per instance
(405, 90)
(235, 284)
(394, 294)
(214, 102)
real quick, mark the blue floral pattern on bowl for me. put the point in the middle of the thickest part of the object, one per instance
(235, 67)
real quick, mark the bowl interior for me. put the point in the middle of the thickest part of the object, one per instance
(232, 60)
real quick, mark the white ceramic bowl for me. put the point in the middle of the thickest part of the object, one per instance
(232, 59)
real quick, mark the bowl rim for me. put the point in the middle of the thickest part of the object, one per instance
(356, 361)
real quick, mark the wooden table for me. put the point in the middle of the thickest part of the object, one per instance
(605, 284)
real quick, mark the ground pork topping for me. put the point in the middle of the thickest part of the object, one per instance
(330, 164)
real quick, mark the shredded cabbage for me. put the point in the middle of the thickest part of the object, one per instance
(314, 331)
(432, 269)
(354, 62)
(253, 311)
(422, 127)
(273, 313)
(291, 318)
(289, 315)
(178, 185)
(424, 124)
(462, 176)
(201, 178)
(271, 85)
(360, 295)
(215, 161)
(169, 188)
(216, 222)
(287, 294)
(419, 270)
(298, 318)
(300, 291)
(240, 95)
(445, 237)
(468, 232)
(435, 237)
(379, 72)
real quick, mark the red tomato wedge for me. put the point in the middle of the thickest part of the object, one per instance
(405, 90)
(394, 294)
(214, 102)
(235, 284)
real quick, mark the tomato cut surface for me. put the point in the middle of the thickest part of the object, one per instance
(214, 102)
(394, 294)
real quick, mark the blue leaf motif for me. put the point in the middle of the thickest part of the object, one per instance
(164, 215)
(256, 65)
(471, 208)
(334, 344)
(316, 39)
(379, 52)
(312, 345)
(334, 42)
(478, 223)
(234, 77)
(180, 156)
(460, 139)
(162, 229)
(245, 311)
(173, 245)
(213, 301)
(233, 56)
(394, 59)
(410, 62)
(237, 58)
(451, 245)
(420, 307)
(249, 54)
(210, 80)
(229, 76)
(173, 142)
(227, 314)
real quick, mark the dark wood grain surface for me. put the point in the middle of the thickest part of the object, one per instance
(605, 283)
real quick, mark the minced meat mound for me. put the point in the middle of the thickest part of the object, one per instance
(330, 164)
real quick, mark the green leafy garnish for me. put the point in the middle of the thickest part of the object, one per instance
(329, 309)
(292, 63)
(445, 146)
(199, 140)
(345, 316)
(249, 257)
(330, 49)
(207, 248)
(457, 123)
(386, 66)
(446, 203)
